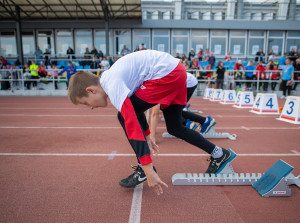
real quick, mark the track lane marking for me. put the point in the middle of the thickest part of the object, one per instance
(136, 205)
(112, 155)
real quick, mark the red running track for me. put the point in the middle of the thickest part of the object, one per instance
(48, 186)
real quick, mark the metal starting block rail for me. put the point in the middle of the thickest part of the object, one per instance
(275, 182)
(211, 134)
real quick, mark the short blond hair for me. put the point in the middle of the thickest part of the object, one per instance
(78, 83)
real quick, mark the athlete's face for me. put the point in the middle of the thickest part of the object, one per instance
(96, 98)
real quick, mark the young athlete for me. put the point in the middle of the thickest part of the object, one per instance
(135, 83)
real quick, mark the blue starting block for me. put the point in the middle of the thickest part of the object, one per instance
(275, 182)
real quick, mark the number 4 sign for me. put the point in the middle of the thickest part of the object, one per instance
(291, 110)
(265, 104)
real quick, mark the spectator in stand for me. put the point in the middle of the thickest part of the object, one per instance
(220, 75)
(94, 64)
(5, 85)
(274, 77)
(259, 55)
(282, 60)
(287, 78)
(53, 73)
(191, 54)
(260, 73)
(143, 46)
(46, 57)
(94, 51)
(238, 75)
(238, 65)
(200, 54)
(184, 60)
(211, 59)
(271, 64)
(267, 76)
(249, 74)
(292, 53)
(70, 69)
(206, 55)
(2, 61)
(208, 75)
(104, 64)
(137, 48)
(297, 73)
(71, 53)
(15, 75)
(42, 71)
(201, 75)
(115, 59)
(228, 57)
(270, 52)
(109, 61)
(34, 74)
(27, 76)
(87, 57)
(272, 57)
(177, 56)
(230, 78)
(38, 53)
(195, 62)
(100, 54)
(125, 51)
(298, 53)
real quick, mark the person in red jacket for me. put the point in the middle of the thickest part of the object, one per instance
(274, 77)
(260, 72)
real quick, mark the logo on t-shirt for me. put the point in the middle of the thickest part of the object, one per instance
(143, 87)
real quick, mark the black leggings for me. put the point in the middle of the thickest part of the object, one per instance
(173, 118)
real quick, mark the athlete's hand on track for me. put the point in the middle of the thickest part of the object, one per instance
(153, 179)
(152, 145)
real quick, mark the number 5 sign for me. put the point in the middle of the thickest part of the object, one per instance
(265, 104)
(291, 110)
(244, 99)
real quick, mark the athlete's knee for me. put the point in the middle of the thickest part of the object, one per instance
(175, 131)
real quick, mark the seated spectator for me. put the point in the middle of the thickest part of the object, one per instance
(211, 59)
(272, 57)
(298, 53)
(137, 48)
(184, 60)
(94, 51)
(260, 73)
(195, 62)
(267, 76)
(34, 74)
(109, 61)
(200, 54)
(42, 71)
(70, 69)
(38, 53)
(292, 53)
(27, 76)
(104, 64)
(238, 75)
(274, 77)
(100, 54)
(71, 53)
(271, 64)
(259, 55)
(193, 68)
(4, 73)
(191, 54)
(177, 56)
(125, 51)
(94, 65)
(15, 75)
(200, 74)
(270, 52)
(2, 61)
(143, 46)
(208, 75)
(206, 55)
(228, 57)
(115, 59)
(249, 74)
(46, 57)
(220, 75)
(238, 65)
(87, 57)
(231, 82)
(53, 73)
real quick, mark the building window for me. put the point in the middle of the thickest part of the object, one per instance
(8, 44)
(28, 43)
(141, 36)
(161, 40)
(292, 41)
(218, 43)
(64, 40)
(45, 41)
(199, 40)
(275, 43)
(83, 41)
(237, 43)
(122, 37)
(256, 42)
(180, 40)
(100, 41)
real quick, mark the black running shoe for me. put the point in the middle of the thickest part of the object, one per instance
(215, 164)
(134, 179)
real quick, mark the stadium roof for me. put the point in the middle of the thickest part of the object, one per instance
(70, 9)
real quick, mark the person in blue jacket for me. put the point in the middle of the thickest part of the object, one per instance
(70, 71)
(249, 73)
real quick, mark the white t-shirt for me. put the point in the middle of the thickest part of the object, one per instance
(191, 80)
(128, 73)
(105, 64)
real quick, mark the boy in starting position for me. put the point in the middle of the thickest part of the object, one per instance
(135, 83)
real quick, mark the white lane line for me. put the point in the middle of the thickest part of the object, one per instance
(136, 205)
(130, 154)
(116, 127)
(112, 155)
(295, 151)
(243, 127)
(25, 115)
